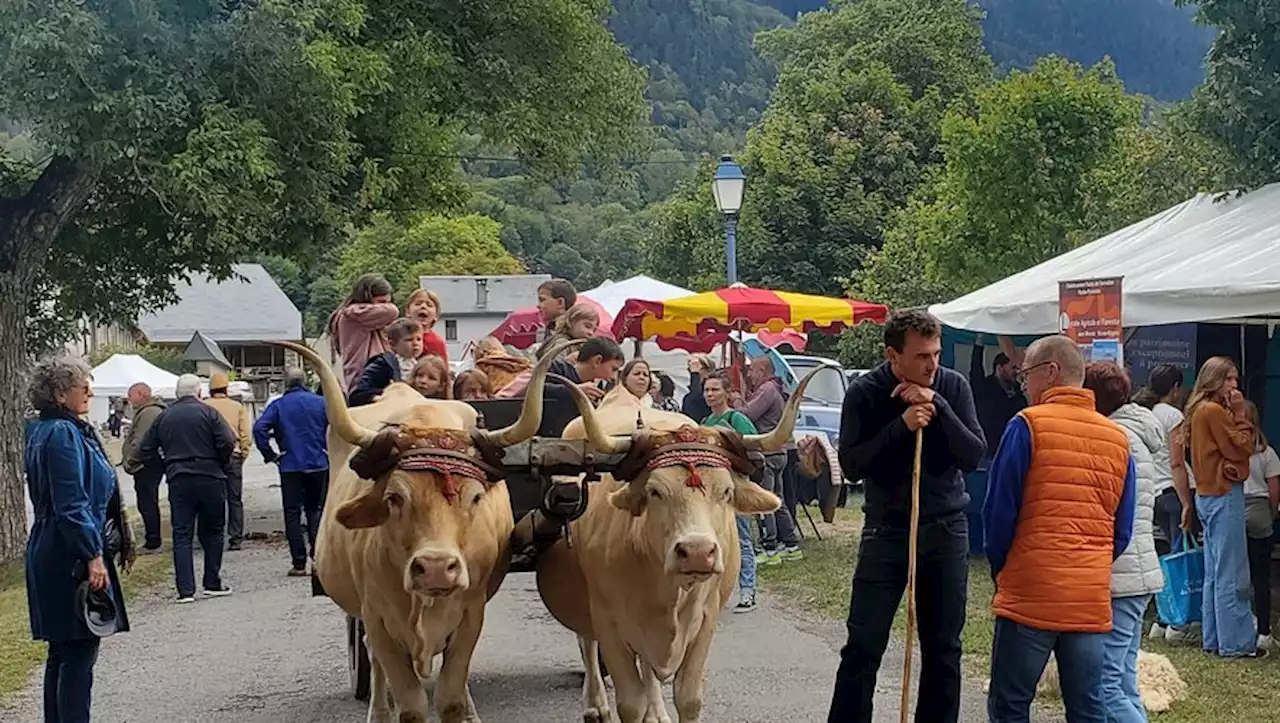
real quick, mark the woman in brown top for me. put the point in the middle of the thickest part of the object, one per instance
(1221, 439)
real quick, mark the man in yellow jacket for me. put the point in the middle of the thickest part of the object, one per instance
(237, 418)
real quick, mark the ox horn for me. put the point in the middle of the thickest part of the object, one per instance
(334, 402)
(778, 438)
(531, 411)
(601, 440)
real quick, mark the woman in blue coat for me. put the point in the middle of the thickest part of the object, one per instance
(73, 488)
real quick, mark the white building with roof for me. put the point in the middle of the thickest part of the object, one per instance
(241, 314)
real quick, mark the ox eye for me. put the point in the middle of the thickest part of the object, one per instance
(475, 498)
(395, 499)
(655, 493)
(727, 495)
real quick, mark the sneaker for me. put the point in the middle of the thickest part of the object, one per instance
(1188, 635)
(220, 592)
(746, 601)
(233, 546)
(792, 553)
(1257, 654)
(1157, 632)
(297, 572)
(149, 550)
(769, 558)
(1266, 642)
(184, 599)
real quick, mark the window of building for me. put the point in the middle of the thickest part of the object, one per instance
(450, 330)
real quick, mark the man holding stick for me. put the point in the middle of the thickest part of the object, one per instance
(882, 411)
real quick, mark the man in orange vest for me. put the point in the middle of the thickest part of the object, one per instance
(1059, 510)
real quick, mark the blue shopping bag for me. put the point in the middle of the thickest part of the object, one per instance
(1180, 601)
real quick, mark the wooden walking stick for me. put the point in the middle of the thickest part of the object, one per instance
(911, 578)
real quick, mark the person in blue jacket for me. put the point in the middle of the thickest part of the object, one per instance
(299, 423)
(74, 492)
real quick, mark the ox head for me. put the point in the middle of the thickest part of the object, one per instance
(685, 485)
(430, 477)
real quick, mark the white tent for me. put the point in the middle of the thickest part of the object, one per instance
(1202, 260)
(113, 377)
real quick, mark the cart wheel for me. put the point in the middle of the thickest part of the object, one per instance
(357, 659)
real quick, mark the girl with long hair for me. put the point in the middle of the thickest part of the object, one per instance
(1222, 439)
(356, 329)
(1261, 498)
(579, 322)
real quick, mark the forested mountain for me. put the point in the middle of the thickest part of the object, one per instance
(1157, 47)
(706, 83)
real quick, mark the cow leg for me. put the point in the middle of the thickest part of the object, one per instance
(629, 688)
(453, 699)
(595, 700)
(690, 678)
(397, 668)
(379, 699)
(657, 707)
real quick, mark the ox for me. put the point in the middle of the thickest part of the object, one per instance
(654, 558)
(415, 535)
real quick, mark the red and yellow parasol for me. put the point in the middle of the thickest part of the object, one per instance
(698, 323)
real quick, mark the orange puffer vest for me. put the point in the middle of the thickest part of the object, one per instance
(1058, 573)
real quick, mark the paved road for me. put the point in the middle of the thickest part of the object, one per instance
(273, 654)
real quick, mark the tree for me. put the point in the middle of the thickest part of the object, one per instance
(1239, 104)
(181, 136)
(428, 245)
(849, 132)
(1015, 186)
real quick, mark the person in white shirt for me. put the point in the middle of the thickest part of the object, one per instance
(1163, 396)
(1261, 498)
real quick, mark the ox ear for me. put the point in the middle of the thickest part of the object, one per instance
(630, 498)
(367, 510)
(750, 498)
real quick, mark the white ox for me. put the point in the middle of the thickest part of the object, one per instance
(415, 535)
(654, 559)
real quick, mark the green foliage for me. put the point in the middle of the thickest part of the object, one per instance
(205, 132)
(1240, 103)
(1048, 159)
(848, 135)
(167, 358)
(427, 245)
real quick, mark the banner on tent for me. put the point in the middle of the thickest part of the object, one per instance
(1150, 346)
(1089, 313)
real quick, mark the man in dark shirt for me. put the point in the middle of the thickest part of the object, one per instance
(882, 410)
(194, 444)
(998, 397)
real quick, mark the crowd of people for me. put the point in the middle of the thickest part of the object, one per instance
(1089, 483)
(198, 447)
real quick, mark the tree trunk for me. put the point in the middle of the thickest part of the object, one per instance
(13, 400)
(28, 227)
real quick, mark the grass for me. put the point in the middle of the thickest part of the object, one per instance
(19, 654)
(1220, 690)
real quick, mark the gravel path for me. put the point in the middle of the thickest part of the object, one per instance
(273, 654)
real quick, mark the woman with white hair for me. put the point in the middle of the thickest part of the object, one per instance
(78, 528)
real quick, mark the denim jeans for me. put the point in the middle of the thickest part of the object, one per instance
(1228, 624)
(302, 492)
(942, 579)
(746, 575)
(777, 528)
(1120, 661)
(197, 505)
(68, 680)
(1019, 654)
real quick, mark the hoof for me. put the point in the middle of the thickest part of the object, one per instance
(412, 717)
(596, 715)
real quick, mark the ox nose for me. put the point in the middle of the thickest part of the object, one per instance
(697, 556)
(437, 573)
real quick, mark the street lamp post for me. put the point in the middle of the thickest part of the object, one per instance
(728, 184)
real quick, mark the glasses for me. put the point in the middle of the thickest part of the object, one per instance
(1022, 374)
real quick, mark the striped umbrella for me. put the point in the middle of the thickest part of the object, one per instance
(698, 323)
